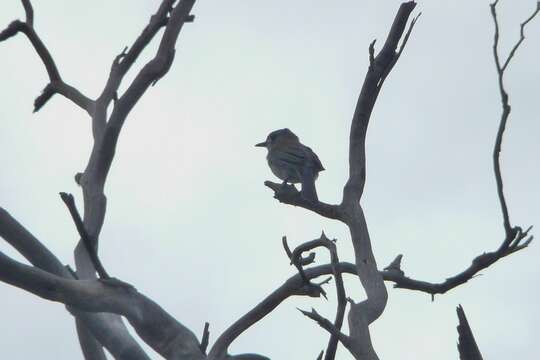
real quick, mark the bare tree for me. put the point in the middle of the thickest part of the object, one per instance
(99, 303)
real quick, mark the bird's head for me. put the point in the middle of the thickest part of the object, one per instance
(277, 137)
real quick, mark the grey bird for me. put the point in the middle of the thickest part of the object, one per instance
(293, 162)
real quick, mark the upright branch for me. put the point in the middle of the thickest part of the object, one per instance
(56, 84)
(361, 315)
(468, 350)
(510, 231)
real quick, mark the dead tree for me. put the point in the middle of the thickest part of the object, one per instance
(99, 303)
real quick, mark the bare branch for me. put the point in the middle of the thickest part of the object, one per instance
(288, 194)
(91, 245)
(506, 110)
(101, 326)
(156, 327)
(56, 85)
(151, 72)
(381, 66)
(327, 325)
(323, 241)
(205, 338)
(123, 62)
(304, 260)
(468, 350)
(521, 241)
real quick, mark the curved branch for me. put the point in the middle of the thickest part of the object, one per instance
(506, 109)
(157, 328)
(394, 273)
(120, 344)
(335, 328)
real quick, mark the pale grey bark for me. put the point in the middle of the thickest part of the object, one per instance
(100, 304)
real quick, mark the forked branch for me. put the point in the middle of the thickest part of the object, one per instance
(56, 84)
(506, 109)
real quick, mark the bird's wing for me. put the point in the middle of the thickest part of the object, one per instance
(300, 155)
(292, 155)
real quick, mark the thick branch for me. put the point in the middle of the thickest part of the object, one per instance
(123, 62)
(120, 344)
(151, 72)
(156, 327)
(379, 68)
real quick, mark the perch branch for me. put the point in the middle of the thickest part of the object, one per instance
(288, 194)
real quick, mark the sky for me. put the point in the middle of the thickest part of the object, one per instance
(189, 221)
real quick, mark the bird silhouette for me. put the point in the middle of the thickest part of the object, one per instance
(293, 162)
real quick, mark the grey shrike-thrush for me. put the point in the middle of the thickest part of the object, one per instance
(293, 162)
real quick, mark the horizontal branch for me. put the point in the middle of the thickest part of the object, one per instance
(288, 194)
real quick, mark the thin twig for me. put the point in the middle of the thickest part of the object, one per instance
(506, 110)
(88, 242)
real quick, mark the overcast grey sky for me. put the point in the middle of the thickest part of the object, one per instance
(187, 205)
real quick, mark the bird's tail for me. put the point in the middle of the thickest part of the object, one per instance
(308, 184)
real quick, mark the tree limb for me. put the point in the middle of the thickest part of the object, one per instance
(156, 327)
(510, 231)
(336, 334)
(56, 84)
(395, 273)
(120, 344)
(88, 242)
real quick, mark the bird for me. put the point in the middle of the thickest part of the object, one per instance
(292, 162)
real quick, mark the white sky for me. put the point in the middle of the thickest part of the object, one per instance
(190, 223)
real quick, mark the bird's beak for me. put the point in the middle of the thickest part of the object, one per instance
(263, 144)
